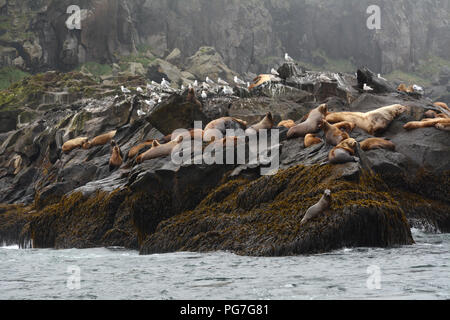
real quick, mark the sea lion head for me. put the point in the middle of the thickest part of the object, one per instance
(86, 145)
(323, 109)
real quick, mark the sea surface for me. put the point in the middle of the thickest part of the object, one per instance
(420, 271)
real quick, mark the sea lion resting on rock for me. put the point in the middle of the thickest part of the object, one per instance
(317, 209)
(160, 151)
(431, 114)
(426, 123)
(333, 135)
(344, 152)
(346, 126)
(311, 125)
(74, 144)
(192, 98)
(116, 159)
(222, 124)
(373, 122)
(100, 140)
(442, 105)
(311, 139)
(377, 143)
(287, 124)
(266, 123)
(443, 126)
(135, 150)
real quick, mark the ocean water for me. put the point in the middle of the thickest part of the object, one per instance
(421, 271)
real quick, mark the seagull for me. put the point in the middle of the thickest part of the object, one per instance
(209, 81)
(195, 83)
(380, 77)
(141, 113)
(165, 83)
(204, 95)
(239, 81)
(125, 90)
(150, 103)
(274, 72)
(159, 100)
(367, 88)
(418, 89)
(205, 86)
(288, 58)
(228, 91)
(182, 87)
(139, 89)
(324, 78)
(222, 82)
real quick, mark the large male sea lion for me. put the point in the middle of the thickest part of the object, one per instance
(373, 122)
(160, 151)
(116, 159)
(377, 143)
(344, 152)
(74, 144)
(100, 140)
(317, 209)
(311, 125)
(333, 135)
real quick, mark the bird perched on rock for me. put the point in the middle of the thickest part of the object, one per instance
(209, 81)
(367, 88)
(288, 58)
(380, 77)
(227, 91)
(222, 82)
(141, 113)
(418, 89)
(165, 83)
(274, 72)
(139, 89)
(150, 103)
(238, 81)
(125, 90)
(204, 95)
(195, 83)
(205, 86)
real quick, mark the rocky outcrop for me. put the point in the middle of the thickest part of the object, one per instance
(69, 200)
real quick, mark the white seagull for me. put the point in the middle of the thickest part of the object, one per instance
(165, 83)
(367, 88)
(228, 91)
(418, 89)
(239, 81)
(380, 77)
(274, 72)
(209, 81)
(150, 103)
(222, 82)
(288, 58)
(125, 90)
(195, 83)
(141, 113)
(139, 89)
(204, 95)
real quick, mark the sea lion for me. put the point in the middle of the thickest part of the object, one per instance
(74, 144)
(346, 126)
(333, 135)
(443, 126)
(222, 124)
(426, 123)
(430, 114)
(266, 123)
(317, 209)
(375, 121)
(311, 139)
(344, 152)
(192, 98)
(287, 124)
(443, 105)
(403, 88)
(377, 143)
(311, 125)
(100, 140)
(259, 80)
(116, 159)
(136, 149)
(163, 150)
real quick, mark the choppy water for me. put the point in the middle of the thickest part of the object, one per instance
(421, 271)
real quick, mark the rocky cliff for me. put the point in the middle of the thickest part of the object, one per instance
(250, 35)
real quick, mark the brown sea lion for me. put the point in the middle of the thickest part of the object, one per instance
(135, 150)
(377, 143)
(425, 123)
(373, 122)
(311, 125)
(222, 124)
(116, 159)
(163, 150)
(317, 209)
(259, 80)
(266, 123)
(74, 144)
(346, 126)
(311, 139)
(344, 152)
(443, 126)
(333, 135)
(442, 105)
(100, 140)
(192, 98)
(287, 124)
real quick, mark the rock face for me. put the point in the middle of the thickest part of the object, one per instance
(60, 200)
(248, 34)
